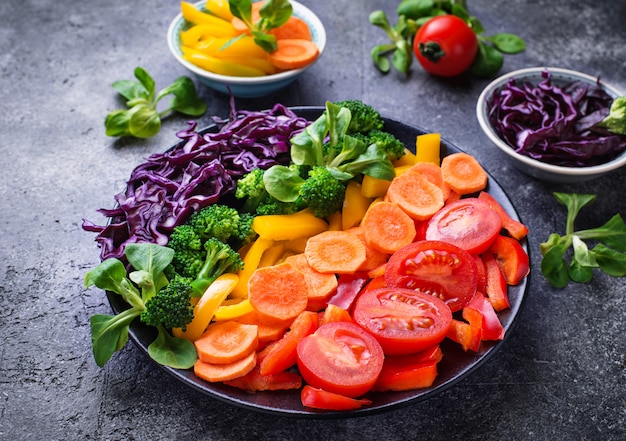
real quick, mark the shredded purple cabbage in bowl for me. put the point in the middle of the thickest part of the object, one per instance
(204, 166)
(555, 125)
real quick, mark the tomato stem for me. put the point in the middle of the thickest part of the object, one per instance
(431, 51)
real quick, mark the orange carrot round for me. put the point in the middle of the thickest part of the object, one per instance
(321, 285)
(226, 342)
(279, 292)
(416, 195)
(224, 372)
(387, 227)
(433, 173)
(294, 27)
(463, 173)
(374, 258)
(339, 252)
(293, 53)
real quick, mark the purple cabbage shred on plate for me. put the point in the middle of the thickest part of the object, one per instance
(204, 166)
(556, 125)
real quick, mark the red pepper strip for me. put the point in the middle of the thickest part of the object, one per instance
(492, 329)
(512, 258)
(253, 381)
(408, 372)
(515, 228)
(348, 287)
(322, 399)
(496, 283)
(468, 336)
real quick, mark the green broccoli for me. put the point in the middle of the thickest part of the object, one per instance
(615, 121)
(170, 307)
(220, 258)
(256, 199)
(223, 223)
(392, 146)
(189, 254)
(364, 118)
(322, 192)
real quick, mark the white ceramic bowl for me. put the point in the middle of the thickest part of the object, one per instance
(533, 167)
(248, 87)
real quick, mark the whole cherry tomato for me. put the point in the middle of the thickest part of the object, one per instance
(445, 46)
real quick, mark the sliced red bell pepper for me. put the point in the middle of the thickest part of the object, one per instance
(348, 287)
(492, 329)
(512, 258)
(322, 399)
(496, 290)
(515, 228)
(465, 334)
(481, 284)
(408, 372)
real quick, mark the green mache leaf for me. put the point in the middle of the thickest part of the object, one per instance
(149, 257)
(554, 267)
(579, 273)
(379, 58)
(508, 43)
(379, 18)
(117, 123)
(337, 123)
(146, 81)
(610, 261)
(372, 162)
(612, 233)
(110, 275)
(185, 100)
(174, 352)
(144, 121)
(282, 183)
(574, 203)
(402, 57)
(275, 13)
(109, 333)
(615, 121)
(488, 61)
(241, 9)
(307, 146)
(266, 41)
(581, 267)
(476, 25)
(415, 9)
(131, 90)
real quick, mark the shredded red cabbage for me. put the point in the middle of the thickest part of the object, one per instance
(556, 124)
(163, 191)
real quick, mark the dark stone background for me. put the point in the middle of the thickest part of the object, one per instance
(560, 374)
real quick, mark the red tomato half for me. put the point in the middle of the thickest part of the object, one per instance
(469, 223)
(404, 321)
(445, 46)
(438, 268)
(340, 357)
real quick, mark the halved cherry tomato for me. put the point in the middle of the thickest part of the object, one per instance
(325, 400)
(404, 321)
(340, 357)
(445, 46)
(469, 223)
(438, 268)
(512, 259)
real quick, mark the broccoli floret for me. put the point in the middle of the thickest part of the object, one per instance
(272, 205)
(170, 307)
(257, 201)
(392, 146)
(322, 192)
(188, 251)
(220, 258)
(223, 223)
(364, 118)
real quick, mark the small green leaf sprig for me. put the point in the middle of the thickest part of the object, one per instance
(273, 14)
(608, 254)
(142, 119)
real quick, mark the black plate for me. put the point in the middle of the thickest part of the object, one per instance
(455, 366)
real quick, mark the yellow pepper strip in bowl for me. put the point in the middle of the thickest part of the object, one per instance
(195, 16)
(219, 8)
(220, 66)
(197, 33)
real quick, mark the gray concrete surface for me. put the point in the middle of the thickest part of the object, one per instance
(561, 374)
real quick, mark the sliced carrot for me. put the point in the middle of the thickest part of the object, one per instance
(388, 228)
(515, 228)
(463, 173)
(253, 381)
(432, 172)
(279, 292)
(224, 372)
(281, 354)
(294, 27)
(339, 252)
(293, 53)
(226, 342)
(374, 258)
(416, 195)
(321, 285)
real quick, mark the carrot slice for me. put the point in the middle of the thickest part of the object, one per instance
(281, 354)
(293, 53)
(416, 195)
(463, 173)
(339, 252)
(226, 342)
(374, 258)
(321, 285)
(279, 292)
(224, 372)
(253, 381)
(294, 27)
(388, 228)
(433, 173)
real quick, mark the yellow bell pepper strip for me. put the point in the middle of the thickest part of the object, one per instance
(251, 262)
(296, 245)
(205, 309)
(233, 311)
(427, 148)
(373, 187)
(225, 48)
(196, 16)
(221, 67)
(354, 205)
(272, 254)
(407, 159)
(219, 8)
(198, 33)
(289, 226)
(334, 221)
